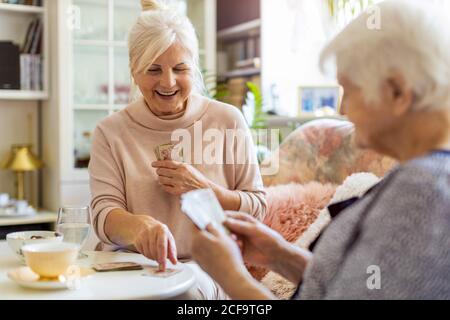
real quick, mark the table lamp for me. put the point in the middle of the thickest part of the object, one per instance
(21, 160)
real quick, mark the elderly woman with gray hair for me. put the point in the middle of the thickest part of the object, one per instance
(392, 243)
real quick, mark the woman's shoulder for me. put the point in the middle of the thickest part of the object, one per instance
(418, 186)
(114, 123)
(429, 169)
(224, 111)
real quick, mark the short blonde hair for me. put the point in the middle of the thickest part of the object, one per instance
(157, 28)
(412, 39)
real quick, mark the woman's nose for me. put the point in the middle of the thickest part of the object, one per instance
(168, 80)
(342, 109)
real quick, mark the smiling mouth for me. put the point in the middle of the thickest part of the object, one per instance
(166, 94)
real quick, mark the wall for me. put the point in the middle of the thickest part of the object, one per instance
(52, 120)
(18, 124)
(292, 35)
(234, 12)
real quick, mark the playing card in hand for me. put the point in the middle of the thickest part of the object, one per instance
(203, 208)
(169, 152)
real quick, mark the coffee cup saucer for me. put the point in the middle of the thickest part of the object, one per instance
(25, 277)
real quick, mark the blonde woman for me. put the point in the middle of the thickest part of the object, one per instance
(135, 198)
(392, 243)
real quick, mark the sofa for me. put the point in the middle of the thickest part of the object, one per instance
(315, 160)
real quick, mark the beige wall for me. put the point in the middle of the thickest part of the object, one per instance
(18, 124)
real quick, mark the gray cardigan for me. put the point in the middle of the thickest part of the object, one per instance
(394, 243)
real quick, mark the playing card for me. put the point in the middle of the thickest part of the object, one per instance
(155, 272)
(116, 266)
(169, 152)
(203, 208)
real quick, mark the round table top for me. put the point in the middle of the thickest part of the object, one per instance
(100, 285)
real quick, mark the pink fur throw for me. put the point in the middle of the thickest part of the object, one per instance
(292, 208)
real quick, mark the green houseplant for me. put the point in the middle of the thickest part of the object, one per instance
(258, 120)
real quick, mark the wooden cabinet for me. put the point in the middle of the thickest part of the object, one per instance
(239, 47)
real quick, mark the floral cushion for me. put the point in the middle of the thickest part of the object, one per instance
(324, 151)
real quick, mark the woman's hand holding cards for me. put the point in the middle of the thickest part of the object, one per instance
(155, 241)
(178, 178)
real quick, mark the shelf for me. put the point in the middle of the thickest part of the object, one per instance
(39, 217)
(251, 28)
(92, 107)
(282, 121)
(98, 107)
(20, 8)
(100, 43)
(240, 73)
(23, 95)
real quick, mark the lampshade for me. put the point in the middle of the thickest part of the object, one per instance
(21, 159)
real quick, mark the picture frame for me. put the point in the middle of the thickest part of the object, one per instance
(321, 100)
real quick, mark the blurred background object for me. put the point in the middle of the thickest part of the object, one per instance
(21, 160)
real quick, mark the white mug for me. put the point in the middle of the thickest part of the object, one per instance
(4, 199)
(21, 206)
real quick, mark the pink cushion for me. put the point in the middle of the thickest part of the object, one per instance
(292, 208)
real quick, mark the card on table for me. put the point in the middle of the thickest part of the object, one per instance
(116, 266)
(155, 272)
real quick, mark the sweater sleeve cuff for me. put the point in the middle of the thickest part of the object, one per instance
(100, 225)
(245, 202)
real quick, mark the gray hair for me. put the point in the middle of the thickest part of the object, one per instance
(412, 40)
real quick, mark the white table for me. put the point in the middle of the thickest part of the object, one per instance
(101, 286)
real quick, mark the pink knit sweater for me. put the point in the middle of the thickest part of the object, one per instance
(120, 169)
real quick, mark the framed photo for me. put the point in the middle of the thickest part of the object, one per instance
(319, 100)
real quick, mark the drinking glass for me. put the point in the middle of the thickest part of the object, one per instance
(74, 224)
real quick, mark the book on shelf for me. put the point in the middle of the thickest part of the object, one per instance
(9, 66)
(249, 63)
(30, 72)
(31, 58)
(37, 38)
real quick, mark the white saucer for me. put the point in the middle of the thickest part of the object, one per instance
(25, 277)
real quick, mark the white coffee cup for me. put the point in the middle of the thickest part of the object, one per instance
(4, 199)
(21, 206)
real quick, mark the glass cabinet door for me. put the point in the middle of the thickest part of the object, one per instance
(90, 75)
(93, 20)
(100, 72)
(126, 13)
(85, 122)
(122, 77)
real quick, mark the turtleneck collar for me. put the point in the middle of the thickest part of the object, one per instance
(140, 113)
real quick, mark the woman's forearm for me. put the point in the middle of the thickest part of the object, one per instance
(229, 200)
(121, 227)
(291, 263)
